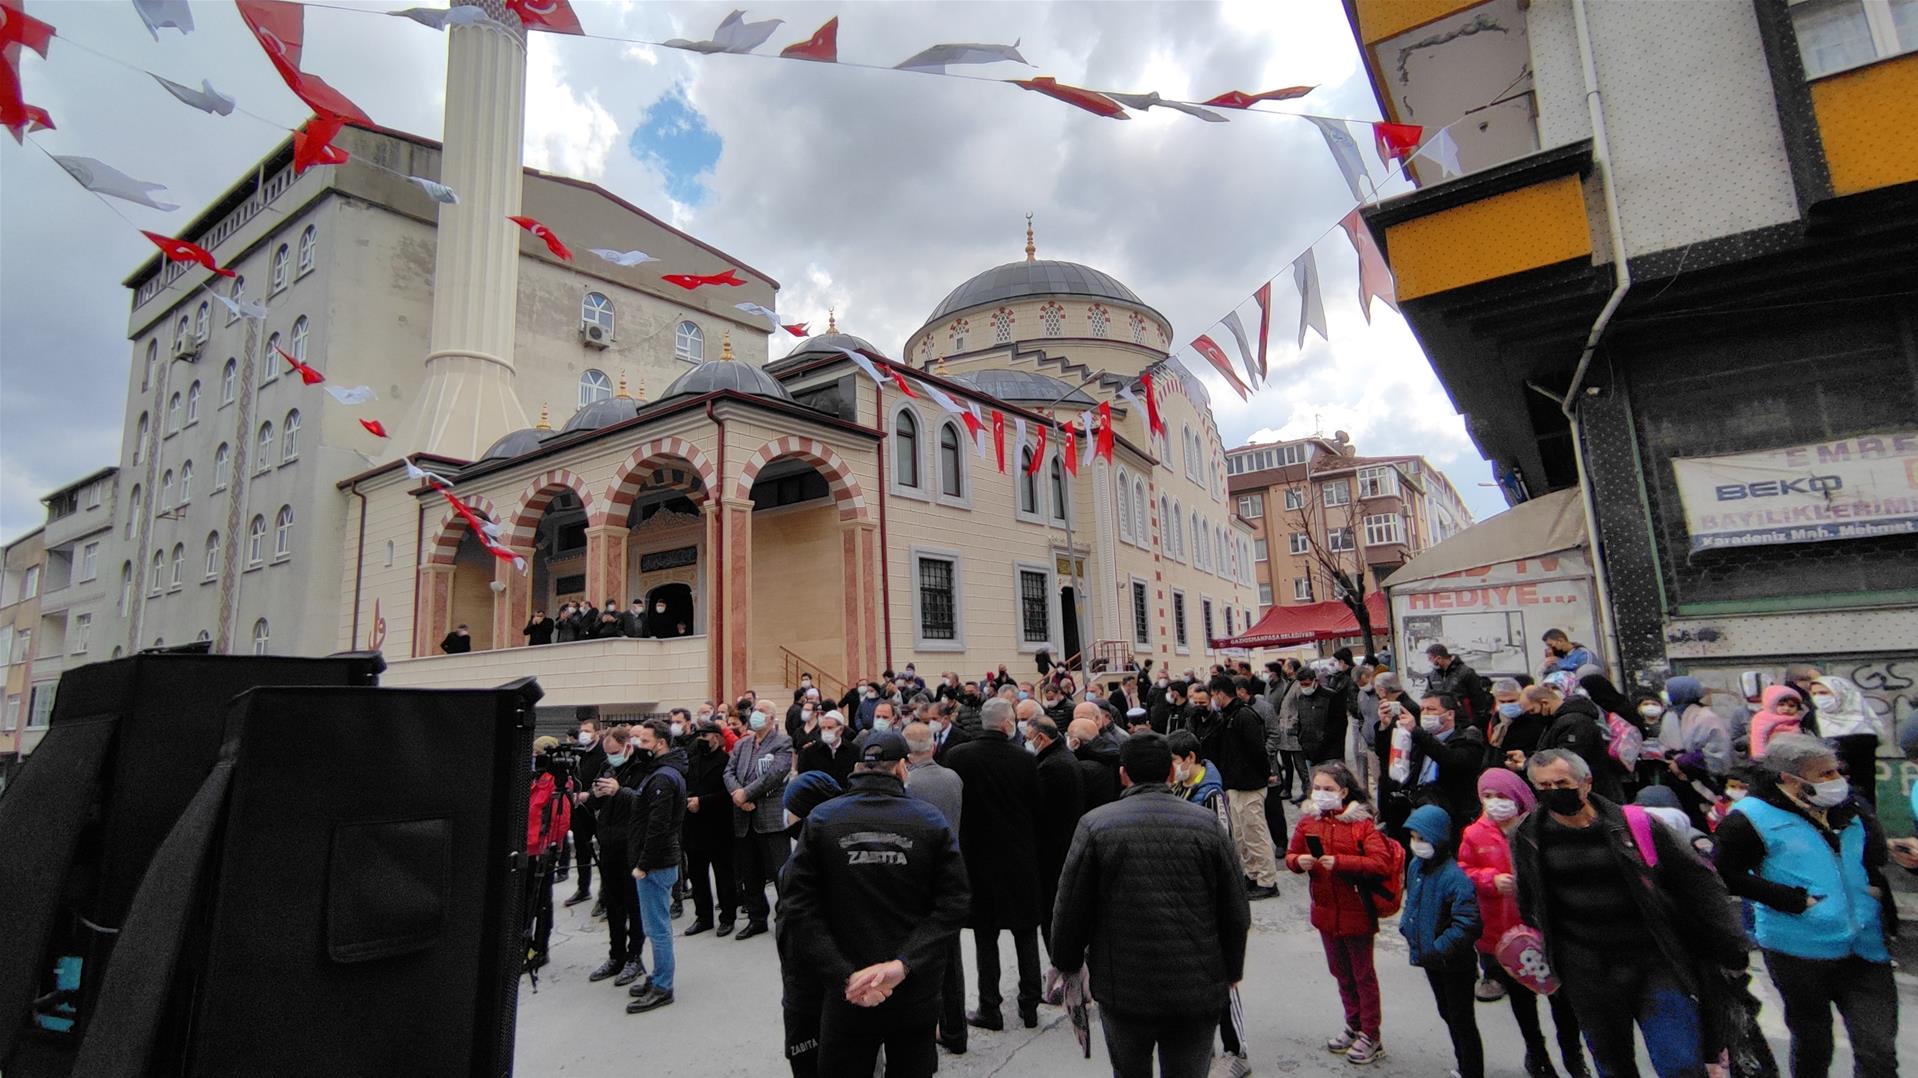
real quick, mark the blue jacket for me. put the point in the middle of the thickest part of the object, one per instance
(1440, 920)
(1846, 920)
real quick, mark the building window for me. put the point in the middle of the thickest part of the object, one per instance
(1834, 35)
(13, 715)
(1258, 550)
(309, 248)
(290, 436)
(1337, 493)
(1141, 616)
(134, 504)
(1265, 595)
(23, 646)
(174, 412)
(1205, 621)
(152, 365)
(1034, 609)
(126, 587)
(200, 324)
(1028, 484)
(256, 540)
(1137, 322)
(958, 331)
(263, 448)
(180, 335)
(283, 532)
(233, 293)
(186, 483)
(1058, 490)
(1302, 589)
(688, 343)
(299, 338)
(40, 711)
(594, 386)
(1125, 506)
(1387, 528)
(1002, 326)
(6, 647)
(596, 310)
(1378, 482)
(1294, 498)
(952, 463)
(1251, 506)
(280, 260)
(179, 565)
(1300, 542)
(1200, 555)
(389, 553)
(1052, 318)
(82, 633)
(270, 360)
(262, 637)
(166, 491)
(212, 554)
(1141, 509)
(938, 598)
(222, 466)
(905, 449)
(229, 380)
(140, 431)
(1338, 539)
(1178, 620)
(193, 404)
(202, 637)
(156, 574)
(1098, 320)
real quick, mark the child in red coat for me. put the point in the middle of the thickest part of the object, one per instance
(1341, 853)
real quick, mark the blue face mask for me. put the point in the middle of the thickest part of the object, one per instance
(616, 761)
(1023, 695)
(882, 725)
(1512, 710)
(758, 721)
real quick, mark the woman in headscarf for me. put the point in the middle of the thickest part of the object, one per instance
(1845, 720)
(1783, 713)
(1606, 695)
(1698, 748)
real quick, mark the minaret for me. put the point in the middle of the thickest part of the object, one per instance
(468, 400)
(1031, 250)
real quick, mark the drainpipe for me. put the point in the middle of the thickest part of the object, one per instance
(715, 620)
(359, 568)
(419, 562)
(885, 571)
(1622, 274)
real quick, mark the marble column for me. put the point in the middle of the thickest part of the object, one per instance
(434, 619)
(858, 545)
(606, 562)
(512, 600)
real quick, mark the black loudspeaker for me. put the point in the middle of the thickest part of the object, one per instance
(129, 744)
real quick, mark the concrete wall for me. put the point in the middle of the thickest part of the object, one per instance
(798, 591)
(647, 675)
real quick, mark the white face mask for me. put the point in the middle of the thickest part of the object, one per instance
(1500, 808)
(1829, 793)
(1032, 747)
(829, 737)
(1421, 849)
(1431, 724)
(1737, 795)
(1823, 702)
(677, 729)
(1650, 711)
(1326, 801)
(1307, 690)
(586, 738)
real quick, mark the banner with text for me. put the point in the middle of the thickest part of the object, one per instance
(1492, 617)
(1853, 488)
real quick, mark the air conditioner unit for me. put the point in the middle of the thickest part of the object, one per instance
(187, 349)
(594, 335)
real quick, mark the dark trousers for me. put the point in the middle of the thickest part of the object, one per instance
(952, 997)
(799, 1006)
(1183, 1043)
(1275, 821)
(1291, 763)
(583, 830)
(625, 936)
(1611, 1000)
(1452, 991)
(1859, 754)
(850, 1037)
(1866, 999)
(1525, 1009)
(757, 858)
(1025, 944)
(709, 868)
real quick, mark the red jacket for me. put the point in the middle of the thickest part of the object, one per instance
(1484, 853)
(536, 803)
(1338, 907)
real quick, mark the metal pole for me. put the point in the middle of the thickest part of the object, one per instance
(1072, 553)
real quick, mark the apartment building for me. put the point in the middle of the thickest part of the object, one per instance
(23, 721)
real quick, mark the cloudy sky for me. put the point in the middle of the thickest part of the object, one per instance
(872, 191)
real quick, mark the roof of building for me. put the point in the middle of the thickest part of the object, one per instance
(600, 413)
(717, 374)
(1023, 387)
(527, 440)
(830, 343)
(101, 473)
(1043, 277)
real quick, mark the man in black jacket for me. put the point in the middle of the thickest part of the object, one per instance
(652, 834)
(709, 831)
(1000, 843)
(457, 642)
(624, 770)
(539, 630)
(633, 622)
(1579, 726)
(1061, 803)
(1321, 713)
(1098, 763)
(588, 765)
(1166, 706)
(830, 751)
(1446, 758)
(1451, 676)
(875, 894)
(1244, 770)
(1152, 859)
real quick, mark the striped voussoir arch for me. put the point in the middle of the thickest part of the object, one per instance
(845, 488)
(452, 528)
(533, 501)
(669, 462)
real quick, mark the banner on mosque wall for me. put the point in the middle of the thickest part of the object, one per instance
(1852, 488)
(1492, 617)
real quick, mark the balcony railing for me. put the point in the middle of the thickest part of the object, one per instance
(637, 674)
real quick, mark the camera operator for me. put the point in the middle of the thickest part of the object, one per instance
(591, 760)
(549, 813)
(625, 769)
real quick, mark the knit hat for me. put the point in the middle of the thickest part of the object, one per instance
(1506, 783)
(1430, 823)
(1657, 797)
(810, 790)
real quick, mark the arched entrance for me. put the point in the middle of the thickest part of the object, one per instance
(548, 529)
(456, 584)
(669, 611)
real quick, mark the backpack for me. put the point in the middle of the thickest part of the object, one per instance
(1386, 895)
(1624, 742)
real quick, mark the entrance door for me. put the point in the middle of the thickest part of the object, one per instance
(677, 620)
(1069, 625)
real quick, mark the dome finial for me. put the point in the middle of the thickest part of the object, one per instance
(622, 394)
(832, 320)
(940, 367)
(1030, 249)
(639, 392)
(726, 345)
(543, 424)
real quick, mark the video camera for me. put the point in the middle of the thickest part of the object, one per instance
(561, 762)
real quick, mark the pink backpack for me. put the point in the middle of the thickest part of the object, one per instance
(1624, 742)
(1641, 824)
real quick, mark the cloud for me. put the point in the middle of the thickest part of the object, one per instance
(566, 131)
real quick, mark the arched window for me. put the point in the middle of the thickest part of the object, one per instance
(300, 330)
(290, 436)
(596, 310)
(263, 448)
(1058, 490)
(283, 532)
(180, 331)
(1098, 320)
(1200, 541)
(1125, 506)
(186, 482)
(1002, 326)
(212, 554)
(1141, 511)
(1028, 483)
(280, 261)
(1165, 527)
(140, 431)
(1052, 318)
(179, 564)
(193, 404)
(256, 540)
(233, 292)
(905, 449)
(229, 381)
(153, 364)
(126, 586)
(166, 491)
(202, 637)
(134, 505)
(173, 414)
(262, 637)
(270, 361)
(1178, 532)
(309, 247)
(200, 323)
(222, 466)
(688, 343)
(952, 463)
(594, 386)
(157, 573)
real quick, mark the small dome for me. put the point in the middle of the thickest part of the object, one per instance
(830, 344)
(719, 374)
(518, 443)
(602, 413)
(1024, 387)
(1043, 277)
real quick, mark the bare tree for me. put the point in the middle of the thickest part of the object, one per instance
(1343, 570)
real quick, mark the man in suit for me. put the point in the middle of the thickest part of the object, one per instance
(756, 779)
(1000, 846)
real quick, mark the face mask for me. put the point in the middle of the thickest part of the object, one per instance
(1326, 800)
(1500, 808)
(1737, 795)
(1512, 710)
(1830, 793)
(1823, 702)
(615, 761)
(1431, 724)
(865, 694)
(882, 725)
(1650, 711)
(586, 739)
(1562, 802)
(1032, 747)
(677, 729)
(1307, 690)
(757, 722)
(1421, 849)
(1023, 695)
(1162, 683)
(830, 738)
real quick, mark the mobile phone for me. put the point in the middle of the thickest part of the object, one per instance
(1315, 846)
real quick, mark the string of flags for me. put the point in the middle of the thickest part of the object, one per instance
(486, 531)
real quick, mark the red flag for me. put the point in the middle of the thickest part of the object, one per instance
(822, 46)
(313, 144)
(19, 28)
(900, 381)
(552, 242)
(1154, 424)
(280, 27)
(690, 281)
(1069, 448)
(1375, 277)
(1397, 141)
(999, 438)
(1264, 299)
(182, 251)
(1038, 450)
(1239, 99)
(973, 426)
(307, 374)
(1090, 100)
(1103, 446)
(373, 427)
(552, 16)
(25, 120)
(798, 329)
(1217, 357)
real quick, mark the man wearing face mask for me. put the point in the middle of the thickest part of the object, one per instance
(1244, 769)
(588, 765)
(1098, 763)
(1168, 702)
(802, 718)
(1446, 760)
(830, 751)
(756, 779)
(1001, 809)
(708, 831)
(1637, 934)
(1061, 803)
(625, 770)
(1811, 856)
(885, 719)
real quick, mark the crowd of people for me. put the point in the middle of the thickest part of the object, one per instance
(584, 621)
(1620, 855)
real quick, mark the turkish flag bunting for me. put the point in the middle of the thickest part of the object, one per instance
(1104, 443)
(182, 251)
(313, 144)
(1397, 141)
(900, 381)
(1038, 451)
(690, 281)
(1216, 356)
(1264, 299)
(552, 16)
(552, 242)
(373, 427)
(307, 374)
(1239, 99)
(1069, 450)
(999, 437)
(19, 28)
(1090, 100)
(1154, 424)
(25, 120)
(797, 329)
(280, 28)
(973, 426)
(822, 46)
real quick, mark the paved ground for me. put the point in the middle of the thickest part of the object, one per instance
(726, 1019)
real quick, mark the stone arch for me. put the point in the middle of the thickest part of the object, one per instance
(664, 454)
(845, 487)
(533, 501)
(445, 542)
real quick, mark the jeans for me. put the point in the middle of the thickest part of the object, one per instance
(708, 869)
(1184, 1043)
(1609, 1002)
(1025, 944)
(1350, 960)
(1866, 998)
(1525, 1009)
(625, 933)
(757, 858)
(1452, 991)
(850, 1037)
(655, 912)
(1249, 831)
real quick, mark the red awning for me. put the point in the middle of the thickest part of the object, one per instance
(1284, 626)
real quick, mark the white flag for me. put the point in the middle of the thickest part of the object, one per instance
(767, 313)
(206, 98)
(866, 365)
(351, 394)
(935, 59)
(241, 307)
(438, 192)
(1142, 102)
(979, 432)
(1344, 151)
(623, 258)
(1086, 440)
(421, 475)
(491, 530)
(158, 13)
(941, 398)
(735, 34)
(1245, 348)
(441, 18)
(1305, 274)
(102, 178)
(1442, 149)
(1018, 442)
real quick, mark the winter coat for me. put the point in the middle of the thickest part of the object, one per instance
(1322, 721)
(1768, 723)
(1704, 745)
(1464, 685)
(760, 768)
(1461, 759)
(1000, 842)
(543, 833)
(1207, 792)
(538, 632)
(614, 814)
(1288, 738)
(1580, 727)
(836, 761)
(1440, 920)
(1243, 764)
(1152, 903)
(1773, 852)
(653, 825)
(711, 828)
(1061, 803)
(1485, 854)
(1340, 906)
(1098, 774)
(455, 644)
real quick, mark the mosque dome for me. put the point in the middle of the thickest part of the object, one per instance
(523, 441)
(601, 413)
(1024, 387)
(1043, 277)
(726, 373)
(826, 344)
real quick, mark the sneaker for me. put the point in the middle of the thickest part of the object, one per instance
(608, 968)
(630, 972)
(1488, 990)
(1364, 1050)
(652, 1000)
(1256, 893)
(1230, 1066)
(1342, 1043)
